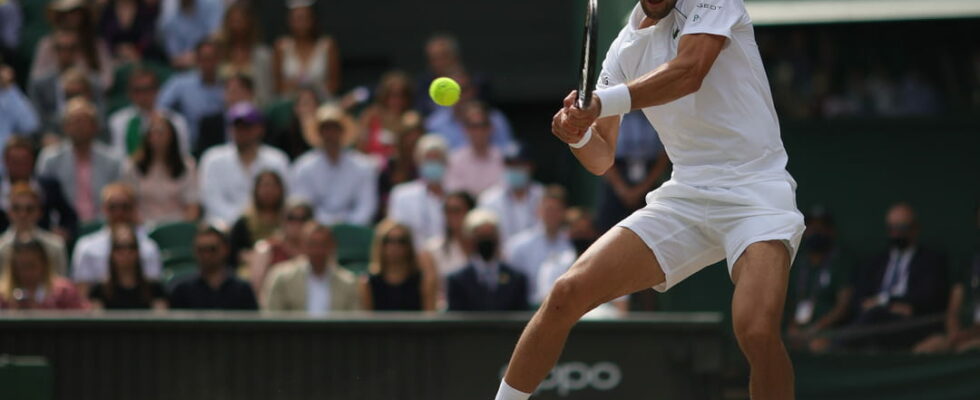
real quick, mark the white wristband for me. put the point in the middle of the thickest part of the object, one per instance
(584, 141)
(615, 100)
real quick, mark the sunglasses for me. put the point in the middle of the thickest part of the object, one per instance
(396, 240)
(478, 125)
(297, 218)
(125, 246)
(900, 227)
(206, 248)
(119, 206)
(23, 207)
(455, 210)
(142, 89)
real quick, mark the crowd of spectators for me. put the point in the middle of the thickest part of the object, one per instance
(906, 297)
(844, 72)
(142, 114)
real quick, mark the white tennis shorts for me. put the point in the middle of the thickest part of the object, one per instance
(689, 227)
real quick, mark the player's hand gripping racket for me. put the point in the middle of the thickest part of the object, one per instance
(587, 74)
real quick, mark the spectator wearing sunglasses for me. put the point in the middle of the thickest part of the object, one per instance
(214, 287)
(28, 282)
(285, 244)
(25, 213)
(479, 165)
(126, 287)
(90, 259)
(312, 282)
(399, 279)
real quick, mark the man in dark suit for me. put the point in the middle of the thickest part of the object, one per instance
(486, 284)
(57, 214)
(906, 282)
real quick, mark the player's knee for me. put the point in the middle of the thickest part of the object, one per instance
(757, 332)
(565, 296)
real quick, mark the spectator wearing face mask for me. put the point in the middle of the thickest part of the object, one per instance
(517, 199)
(418, 204)
(820, 290)
(906, 281)
(486, 283)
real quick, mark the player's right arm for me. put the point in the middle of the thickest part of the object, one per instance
(599, 154)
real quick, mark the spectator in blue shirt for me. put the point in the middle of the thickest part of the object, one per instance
(195, 93)
(11, 20)
(17, 116)
(186, 25)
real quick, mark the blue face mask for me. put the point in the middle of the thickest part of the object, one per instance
(517, 178)
(432, 171)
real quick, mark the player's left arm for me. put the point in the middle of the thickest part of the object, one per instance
(683, 75)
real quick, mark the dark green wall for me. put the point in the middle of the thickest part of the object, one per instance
(857, 169)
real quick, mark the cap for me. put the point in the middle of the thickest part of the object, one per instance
(244, 112)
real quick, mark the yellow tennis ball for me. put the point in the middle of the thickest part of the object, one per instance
(444, 91)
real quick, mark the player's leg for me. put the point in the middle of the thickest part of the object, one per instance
(761, 275)
(618, 263)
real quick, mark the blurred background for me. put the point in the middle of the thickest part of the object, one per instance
(258, 199)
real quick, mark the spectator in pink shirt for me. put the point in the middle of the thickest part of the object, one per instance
(28, 281)
(479, 165)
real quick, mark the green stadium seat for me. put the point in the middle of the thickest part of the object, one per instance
(89, 227)
(353, 245)
(176, 272)
(279, 114)
(26, 378)
(174, 236)
(357, 267)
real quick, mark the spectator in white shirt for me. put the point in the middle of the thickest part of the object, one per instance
(479, 165)
(515, 200)
(227, 171)
(340, 183)
(128, 127)
(418, 204)
(547, 243)
(90, 259)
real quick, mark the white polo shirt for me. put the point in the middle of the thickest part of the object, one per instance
(726, 133)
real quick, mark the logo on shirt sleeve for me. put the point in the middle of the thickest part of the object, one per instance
(696, 19)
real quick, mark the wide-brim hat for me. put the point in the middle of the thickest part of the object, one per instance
(330, 113)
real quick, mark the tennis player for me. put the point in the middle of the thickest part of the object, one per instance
(694, 69)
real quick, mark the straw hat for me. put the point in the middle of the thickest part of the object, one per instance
(331, 113)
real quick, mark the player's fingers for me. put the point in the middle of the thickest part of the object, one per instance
(570, 99)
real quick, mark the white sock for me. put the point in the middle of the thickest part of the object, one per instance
(508, 393)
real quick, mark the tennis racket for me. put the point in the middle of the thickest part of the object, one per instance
(587, 74)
